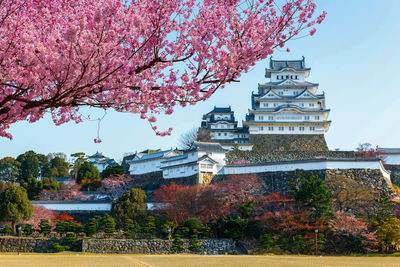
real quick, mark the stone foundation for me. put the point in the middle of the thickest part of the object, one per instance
(278, 181)
(118, 246)
(395, 173)
(269, 156)
(155, 246)
(288, 142)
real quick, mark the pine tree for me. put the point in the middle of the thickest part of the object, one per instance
(309, 190)
(177, 244)
(194, 243)
(90, 227)
(44, 226)
(150, 226)
(266, 241)
(109, 225)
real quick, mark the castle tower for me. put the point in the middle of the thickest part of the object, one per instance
(287, 112)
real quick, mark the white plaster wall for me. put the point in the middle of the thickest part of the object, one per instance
(76, 206)
(392, 159)
(180, 171)
(300, 76)
(141, 167)
(257, 129)
(319, 165)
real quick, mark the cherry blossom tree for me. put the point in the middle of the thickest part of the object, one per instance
(40, 212)
(115, 186)
(68, 191)
(140, 56)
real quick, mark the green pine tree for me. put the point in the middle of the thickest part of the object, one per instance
(109, 225)
(150, 226)
(90, 228)
(266, 241)
(194, 243)
(177, 244)
(44, 226)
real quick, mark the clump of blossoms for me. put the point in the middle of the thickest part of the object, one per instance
(144, 56)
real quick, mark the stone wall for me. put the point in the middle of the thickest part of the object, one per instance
(154, 246)
(395, 173)
(119, 246)
(269, 156)
(288, 142)
(278, 181)
(25, 244)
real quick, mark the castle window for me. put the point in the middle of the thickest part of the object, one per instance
(277, 77)
(317, 118)
(281, 128)
(261, 118)
(302, 104)
(270, 118)
(287, 76)
(291, 128)
(270, 129)
(265, 105)
(312, 128)
(219, 134)
(291, 76)
(224, 134)
(307, 118)
(311, 104)
(282, 77)
(296, 77)
(261, 128)
(275, 104)
(301, 129)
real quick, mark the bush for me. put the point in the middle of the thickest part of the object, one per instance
(25, 228)
(7, 229)
(58, 248)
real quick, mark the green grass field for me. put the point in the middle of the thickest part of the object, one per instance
(83, 260)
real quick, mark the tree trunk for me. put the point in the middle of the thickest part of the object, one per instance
(13, 226)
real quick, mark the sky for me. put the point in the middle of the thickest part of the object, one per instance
(354, 56)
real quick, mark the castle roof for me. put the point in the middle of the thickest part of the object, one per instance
(289, 82)
(207, 147)
(221, 110)
(278, 65)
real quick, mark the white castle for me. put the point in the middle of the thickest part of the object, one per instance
(287, 103)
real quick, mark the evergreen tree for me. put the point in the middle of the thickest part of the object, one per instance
(15, 205)
(131, 205)
(88, 172)
(150, 226)
(7, 229)
(194, 243)
(44, 226)
(70, 240)
(385, 207)
(109, 225)
(194, 225)
(266, 241)
(177, 244)
(312, 193)
(90, 227)
(112, 171)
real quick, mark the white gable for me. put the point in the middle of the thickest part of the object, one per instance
(306, 94)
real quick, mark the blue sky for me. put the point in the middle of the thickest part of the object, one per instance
(354, 57)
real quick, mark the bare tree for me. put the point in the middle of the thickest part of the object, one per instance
(187, 139)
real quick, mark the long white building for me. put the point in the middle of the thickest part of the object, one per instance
(287, 103)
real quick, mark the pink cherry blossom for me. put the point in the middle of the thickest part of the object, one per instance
(144, 57)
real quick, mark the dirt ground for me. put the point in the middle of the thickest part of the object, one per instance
(81, 260)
